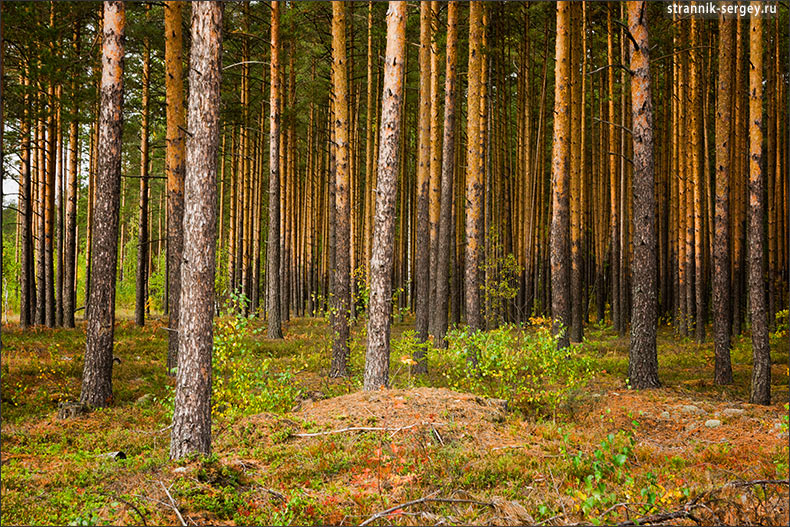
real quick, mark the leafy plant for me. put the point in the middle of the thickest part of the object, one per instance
(526, 369)
(782, 460)
(501, 285)
(245, 383)
(782, 318)
(403, 349)
(360, 295)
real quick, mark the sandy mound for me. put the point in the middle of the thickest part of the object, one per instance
(420, 407)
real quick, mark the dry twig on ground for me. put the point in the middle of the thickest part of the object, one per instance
(427, 499)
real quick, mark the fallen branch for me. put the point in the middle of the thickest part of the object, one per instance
(130, 504)
(427, 499)
(659, 518)
(547, 520)
(506, 447)
(173, 504)
(274, 493)
(758, 482)
(365, 429)
(686, 511)
(436, 433)
(616, 505)
(557, 492)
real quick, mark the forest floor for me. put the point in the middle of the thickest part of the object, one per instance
(419, 454)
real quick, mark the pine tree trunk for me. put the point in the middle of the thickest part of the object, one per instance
(721, 246)
(560, 182)
(192, 408)
(27, 278)
(576, 184)
(474, 176)
(614, 255)
(444, 238)
(40, 216)
(49, 211)
(698, 184)
(737, 194)
(342, 275)
(174, 169)
(273, 245)
(94, 168)
(143, 248)
(383, 247)
(643, 357)
(434, 188)
(761, 372)
(423, 240)
(70, 256)
(97, 372)
(370, 111)
(61, 210)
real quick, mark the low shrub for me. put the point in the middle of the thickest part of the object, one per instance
(244, 382)
(525, 368)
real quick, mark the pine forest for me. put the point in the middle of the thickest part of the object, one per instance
(395, 263)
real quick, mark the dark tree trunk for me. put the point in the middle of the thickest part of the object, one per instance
(381, 261)
(192, 411)
(27, 275)
(61, 212)
(445, 240)
(721, 246)
(273, 300)
(70, 257)
(97, 372)
(49, 213)
(614, 254)
(40, 218)
(643, 358)
(761, 352)
(422, 238)
(143, 248)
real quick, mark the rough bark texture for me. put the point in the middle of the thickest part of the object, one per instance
(560, 181)
(192, 411)
(92, 195)
(378, 352)
(97, 372)
(614, 255)
(70, 246)
(422, 241)
(174, 169)
(576, 310)
(698, 185)
(643, 358)
(761, 373)
(444, 241)
(49, 213)
(39, 216)
(434, 186)
(273, 308)
(721, 245)
(342, 281)
(370, 114)
(61, 209)
(474, 177)
(27, 276)
(141, 289)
